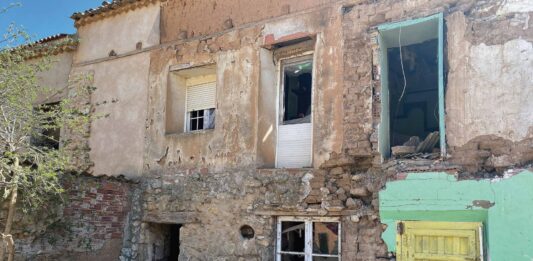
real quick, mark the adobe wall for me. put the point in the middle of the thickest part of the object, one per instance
(212, 182)
(120, 34)
(244, 135)
(209, 182)
(487, 49)
(119, 106)
(57, 76)
(183, 19)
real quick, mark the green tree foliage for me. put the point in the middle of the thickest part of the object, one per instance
(33, 158)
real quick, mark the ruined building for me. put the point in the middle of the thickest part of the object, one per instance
(300, 130)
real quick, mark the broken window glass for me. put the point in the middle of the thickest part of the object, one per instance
(293, 236)
(325, 238)
(297, 92)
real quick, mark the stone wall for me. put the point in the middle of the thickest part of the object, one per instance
(468, 114)
(215, 181)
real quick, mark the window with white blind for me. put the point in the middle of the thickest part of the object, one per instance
(294, 145)
(201, 102)
(191, 99)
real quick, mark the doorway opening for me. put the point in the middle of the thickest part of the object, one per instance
(163, 242)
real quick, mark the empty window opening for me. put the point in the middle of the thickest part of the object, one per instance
(48, 133)
(412, 88)
(191, 100)
(413, 98)
(297, 85)
(163, 242)
(308, 240)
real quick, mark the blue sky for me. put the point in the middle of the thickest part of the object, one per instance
(41, 18)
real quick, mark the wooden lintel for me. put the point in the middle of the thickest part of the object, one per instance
(171, 218)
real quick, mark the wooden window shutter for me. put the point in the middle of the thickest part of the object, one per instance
(421, 240)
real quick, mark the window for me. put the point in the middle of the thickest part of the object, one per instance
(201, 93)
(412, 87)
(297, 84)
(420, 240)
(294, 147)
(191, 99)
(308, 240)
(48, 134)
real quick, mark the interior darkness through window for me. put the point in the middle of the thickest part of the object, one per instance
(202, 119)
(293, 240)
(297, 85)
(413, 111)
(48, 136)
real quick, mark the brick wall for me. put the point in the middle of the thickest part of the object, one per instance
(87, 225)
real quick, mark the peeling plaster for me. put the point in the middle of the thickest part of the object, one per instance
(501, 204)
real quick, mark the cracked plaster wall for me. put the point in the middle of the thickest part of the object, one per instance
(489, 85)
(119, 104)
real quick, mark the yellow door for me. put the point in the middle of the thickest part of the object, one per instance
(442, 241)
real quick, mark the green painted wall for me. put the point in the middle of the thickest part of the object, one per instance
(440, 197)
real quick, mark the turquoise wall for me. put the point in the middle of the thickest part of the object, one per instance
(505, 206)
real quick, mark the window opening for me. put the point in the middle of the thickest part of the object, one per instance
(191, 99)
(308, 240)
(412, 88)
(48, 134)
(297, 91)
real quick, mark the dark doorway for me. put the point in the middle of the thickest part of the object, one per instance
(163, 242)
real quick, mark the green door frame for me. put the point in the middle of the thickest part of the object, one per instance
(384, 130)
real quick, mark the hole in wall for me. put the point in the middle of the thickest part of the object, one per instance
(247, 232)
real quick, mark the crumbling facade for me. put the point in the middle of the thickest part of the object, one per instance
(305, 130)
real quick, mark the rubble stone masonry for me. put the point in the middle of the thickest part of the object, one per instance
(213, 182)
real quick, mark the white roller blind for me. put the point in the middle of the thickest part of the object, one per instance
(294, 145)
(201, 96)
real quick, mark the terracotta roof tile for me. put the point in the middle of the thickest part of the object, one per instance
(107, 9)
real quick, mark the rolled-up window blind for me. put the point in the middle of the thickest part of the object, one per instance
(201, 96)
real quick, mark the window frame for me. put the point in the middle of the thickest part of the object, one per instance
(308, 251)
(384, 129)
(187, 118)
(281, 62)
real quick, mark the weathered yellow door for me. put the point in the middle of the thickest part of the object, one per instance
(443, 241)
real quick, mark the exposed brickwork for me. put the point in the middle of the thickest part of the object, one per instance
(99, 204)
(90, 221)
